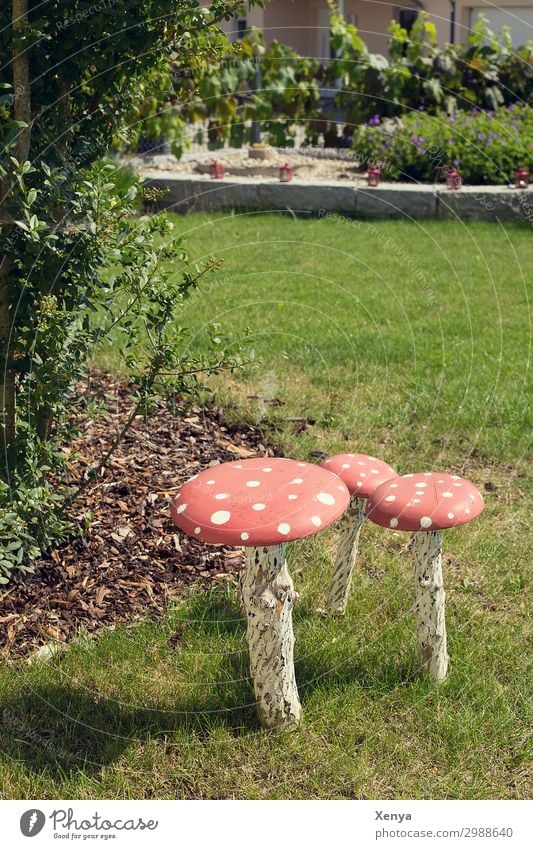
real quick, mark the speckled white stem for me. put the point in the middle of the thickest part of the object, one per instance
(349, 529)
(426, 548)
(268, 596)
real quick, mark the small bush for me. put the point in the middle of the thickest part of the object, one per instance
(486, 147)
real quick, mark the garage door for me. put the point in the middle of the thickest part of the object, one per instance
(519, 19)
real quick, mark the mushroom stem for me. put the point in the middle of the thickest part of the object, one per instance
(268, 596)
(426, 548)
(349, 529)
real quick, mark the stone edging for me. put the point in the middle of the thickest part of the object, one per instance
(399, 200)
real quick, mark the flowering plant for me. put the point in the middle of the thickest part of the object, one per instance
(486, 147)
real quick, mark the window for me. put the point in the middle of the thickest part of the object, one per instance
(406, 18)
(241, 28)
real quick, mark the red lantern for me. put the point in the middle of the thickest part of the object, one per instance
(454, 180)
(285, 173)
(521, 178)
(373, 176)
(216, 169)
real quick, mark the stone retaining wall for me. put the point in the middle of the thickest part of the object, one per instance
(399, 200)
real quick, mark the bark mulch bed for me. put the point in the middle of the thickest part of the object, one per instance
(132, 560)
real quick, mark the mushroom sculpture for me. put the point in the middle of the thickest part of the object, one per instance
(426, 504)
(261, 504)
(362, 474)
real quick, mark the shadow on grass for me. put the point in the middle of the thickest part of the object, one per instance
(60, 730)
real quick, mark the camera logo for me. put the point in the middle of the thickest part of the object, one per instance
(32, 822)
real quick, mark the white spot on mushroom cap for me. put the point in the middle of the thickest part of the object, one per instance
(197, 530)
(181, 508)
(245, 536)
(220, 517)
(415, 501)
(420, 493)
(284, 528)
(346, 466)
(221, 496)
(425, 522)
(393, 523)
(267, 469)
(447, 494)
(325, 498)
(390, 498)
(316, 520)
(421, 484)
(292, 496)
(209, 483)
(253, 483)
(297, 480)
(451, 515)
(359, 483)
(394, 486)
(457, 484)
(258, 506)
(360, 463)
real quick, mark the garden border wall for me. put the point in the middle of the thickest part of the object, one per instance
(200, 193)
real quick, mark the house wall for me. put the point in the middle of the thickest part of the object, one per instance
(299, 22)
(439, 13)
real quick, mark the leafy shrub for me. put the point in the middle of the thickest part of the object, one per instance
(486, 71)
(78, 270)
(485, 147)
(227, 97)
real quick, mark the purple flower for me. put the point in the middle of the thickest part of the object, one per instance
(450, 141)
(374, 121)
(457, 162)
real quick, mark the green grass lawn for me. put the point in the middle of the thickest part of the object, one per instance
(409, 341)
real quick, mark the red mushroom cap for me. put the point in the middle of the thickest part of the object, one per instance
(262, 501)
(361, 474)
(425, 501)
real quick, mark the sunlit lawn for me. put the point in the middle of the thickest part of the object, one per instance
(409, 341)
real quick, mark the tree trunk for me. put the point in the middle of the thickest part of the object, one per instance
(268, 596)
(349, 529)
(22, 112)
(426, 548)
(21, 78)
(7, 376)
